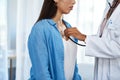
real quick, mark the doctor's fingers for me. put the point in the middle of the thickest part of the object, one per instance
(68, 31)
(71, 32)
(73, 29)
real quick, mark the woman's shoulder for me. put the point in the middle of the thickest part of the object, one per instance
(40, 25)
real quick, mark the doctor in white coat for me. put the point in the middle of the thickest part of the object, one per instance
(105, 46)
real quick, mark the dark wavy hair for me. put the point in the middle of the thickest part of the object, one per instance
(48, 11)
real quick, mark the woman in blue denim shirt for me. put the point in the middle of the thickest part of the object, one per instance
(53, 57)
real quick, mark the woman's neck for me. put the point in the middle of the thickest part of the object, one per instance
(58, 17)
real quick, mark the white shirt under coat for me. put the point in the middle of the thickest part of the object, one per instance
(70, 54)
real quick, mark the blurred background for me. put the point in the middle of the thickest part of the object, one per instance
(16, 19)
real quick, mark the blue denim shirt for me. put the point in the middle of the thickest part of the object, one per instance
(46, 52)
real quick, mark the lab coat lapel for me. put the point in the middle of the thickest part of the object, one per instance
(115, 16)
(104, 15)
(112, 18)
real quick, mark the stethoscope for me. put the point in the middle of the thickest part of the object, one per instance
(79, 44)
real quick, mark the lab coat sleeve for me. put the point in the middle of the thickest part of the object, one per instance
(102, 47)
(39, 54)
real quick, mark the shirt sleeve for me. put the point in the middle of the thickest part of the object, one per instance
(38, 53)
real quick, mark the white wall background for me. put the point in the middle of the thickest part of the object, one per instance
(3, 41)
(27, 13)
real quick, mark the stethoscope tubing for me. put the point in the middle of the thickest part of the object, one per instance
(77, 43)
(110, 4)
(83, 45)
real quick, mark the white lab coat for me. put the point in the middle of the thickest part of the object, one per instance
(106, 49)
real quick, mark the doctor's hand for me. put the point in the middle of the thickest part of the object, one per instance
(75, 33)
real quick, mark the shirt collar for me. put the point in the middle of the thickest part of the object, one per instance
(53, 23)
(50, 21)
